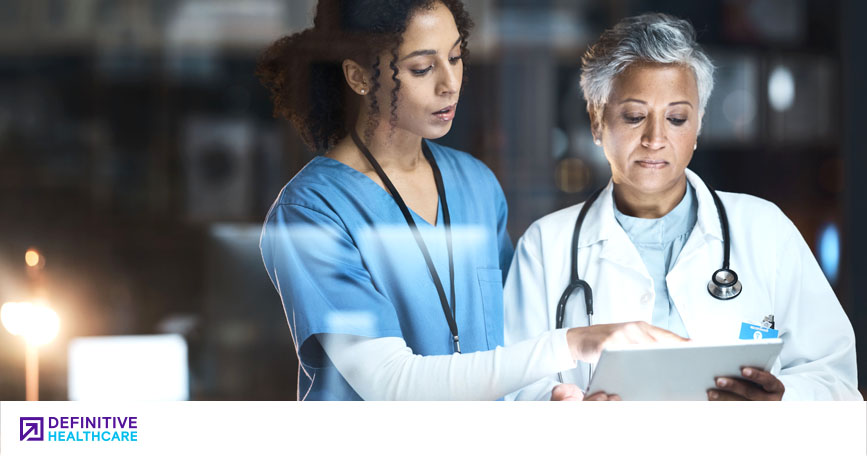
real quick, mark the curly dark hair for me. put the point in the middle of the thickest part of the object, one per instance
(304, 71)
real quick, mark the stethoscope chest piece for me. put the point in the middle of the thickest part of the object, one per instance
(724, 284)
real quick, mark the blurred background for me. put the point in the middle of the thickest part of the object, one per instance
(138, 157)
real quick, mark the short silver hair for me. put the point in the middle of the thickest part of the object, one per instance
(648, 38)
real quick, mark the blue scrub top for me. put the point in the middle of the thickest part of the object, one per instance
(344, 261)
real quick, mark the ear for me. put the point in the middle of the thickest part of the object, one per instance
(595, 121)
(356, 76)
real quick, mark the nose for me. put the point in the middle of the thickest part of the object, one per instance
(450, 79)
(653, 136)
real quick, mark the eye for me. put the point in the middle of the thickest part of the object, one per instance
(676, 121)
(633, 119)
(454, 60)
(422, 72)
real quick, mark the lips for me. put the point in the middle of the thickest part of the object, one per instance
(652, 164)
(446, 114)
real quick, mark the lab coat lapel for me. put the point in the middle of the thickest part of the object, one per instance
(701, 256)
(618, 274)
(707, 226)
(601, 225)
(685, 287)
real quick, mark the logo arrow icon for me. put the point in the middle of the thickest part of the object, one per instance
(31, 428)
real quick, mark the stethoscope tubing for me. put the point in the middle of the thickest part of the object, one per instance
(727, 288)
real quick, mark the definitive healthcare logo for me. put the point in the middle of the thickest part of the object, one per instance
(31, 428)
(79, 429)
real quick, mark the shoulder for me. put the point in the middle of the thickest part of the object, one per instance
(552, 231)
(314, 189)
(743, 201)
(305, 212)
(759, 221)
(556, 221)
(462, 162)
(752, 210)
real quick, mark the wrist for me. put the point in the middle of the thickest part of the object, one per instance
(574, 337)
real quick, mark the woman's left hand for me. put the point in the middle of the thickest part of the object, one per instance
(570, 392)
(567, 392)
(759, 386)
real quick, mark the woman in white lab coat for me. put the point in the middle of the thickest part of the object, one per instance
(652, 239)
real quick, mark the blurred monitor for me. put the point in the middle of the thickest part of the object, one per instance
(733, 111)
(151, 368)
(803, 98)
(219, 168)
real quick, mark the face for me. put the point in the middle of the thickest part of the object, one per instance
(649, 127)
(430, 74)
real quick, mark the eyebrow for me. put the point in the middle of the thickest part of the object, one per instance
(426, 51)
(635, 100)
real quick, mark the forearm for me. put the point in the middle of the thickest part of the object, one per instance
(538, 391)
(813, 386)
(386, 369)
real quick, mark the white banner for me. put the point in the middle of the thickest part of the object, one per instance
(263, 428)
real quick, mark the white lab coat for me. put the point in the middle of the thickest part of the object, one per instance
(779, 275)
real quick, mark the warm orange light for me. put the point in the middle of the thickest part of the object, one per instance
(32, 258)
(572, 175)
(37, 323)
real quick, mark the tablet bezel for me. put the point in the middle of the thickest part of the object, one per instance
(677, 371)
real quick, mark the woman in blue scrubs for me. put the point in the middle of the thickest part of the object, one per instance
(388, 250)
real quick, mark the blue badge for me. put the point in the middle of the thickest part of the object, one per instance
(750, 331)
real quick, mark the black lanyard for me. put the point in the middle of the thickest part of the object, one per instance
(441, 193)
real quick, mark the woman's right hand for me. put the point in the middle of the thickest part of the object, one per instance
(587, 343)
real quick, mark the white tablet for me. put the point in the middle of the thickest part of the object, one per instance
(679, 371)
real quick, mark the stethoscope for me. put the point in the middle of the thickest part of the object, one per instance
(723, 285)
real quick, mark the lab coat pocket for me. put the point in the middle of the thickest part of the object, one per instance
(491, 287)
